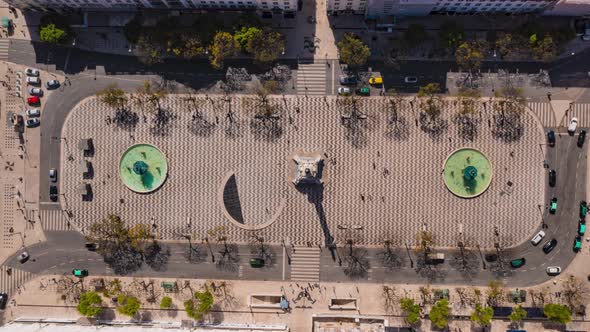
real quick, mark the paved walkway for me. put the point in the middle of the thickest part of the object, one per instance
(360, 163)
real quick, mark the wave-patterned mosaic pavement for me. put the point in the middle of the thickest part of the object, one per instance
(379, 182)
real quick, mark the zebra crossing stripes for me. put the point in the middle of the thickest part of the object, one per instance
(579, 111)
(4, 46)
(54, 220)
(311, 79)
(11, 279)
(305, 263)
(544, 112)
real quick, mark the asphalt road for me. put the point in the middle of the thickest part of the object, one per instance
(90, 72)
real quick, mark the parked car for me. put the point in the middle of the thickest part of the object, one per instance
(343, 91)
(571, 128)
(552, 178)
(53, 193)
(33, 80)
(553, 270)
(411, 79)
(553, 207)
(491, 257)
(256, 262)
(516, 263)
(583, 209)
(538, 237)
(551, 138)
(33, 122)
(581, 227)
(364, 91)
(53, 175)
(53, 84)
(33, 112)
(80, 273)
(35, 92)
(3, 300)
(577, 243)
(32, 72)
(376, 80)
(23, 257)
(33, 100)
(347, 80)
(550, 245)
(91, 246)
(581, 138)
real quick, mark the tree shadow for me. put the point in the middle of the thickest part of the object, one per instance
(467, 126)
(398, 129)
(156, 256)
(201, 126)
(429, 271)
(122, 258)
(434, 126)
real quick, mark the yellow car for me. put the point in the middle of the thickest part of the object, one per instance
(376, 80)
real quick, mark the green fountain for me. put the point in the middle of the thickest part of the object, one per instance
(143, 168)
(467, 172)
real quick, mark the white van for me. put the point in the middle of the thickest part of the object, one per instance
(537, 238)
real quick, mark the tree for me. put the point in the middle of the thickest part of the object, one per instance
(110, 229)
(128, 305)
(52, 34)
(557, 313)
(140, 235)
(505, 45)
(575, 293)
(495, 293)
(451, 34)
(390, 257)
(150, 51)
(543, 49)
(166, 302)
(469, 56)
(186, 46)
(482, 315)
(90, 304)
(224, 45)
(113, 96)
(200, 305)
(245, 35)
(517, 314)
(415, 35)
(132, 29)
(353, 51)
(411, 310)
(266, 45)
(467, 123)
(439, 314)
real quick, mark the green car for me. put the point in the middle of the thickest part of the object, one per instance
(553, 207)
(256, 262)
(581, 227)
(577, 243)
(80, 273)
(583, 209)
(516, 263)
(364, 91)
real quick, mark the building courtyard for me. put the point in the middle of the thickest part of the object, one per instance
(381, 172)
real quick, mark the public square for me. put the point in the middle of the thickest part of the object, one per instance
(380, 182)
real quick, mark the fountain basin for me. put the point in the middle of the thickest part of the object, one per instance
(467, 172)
(143, 168)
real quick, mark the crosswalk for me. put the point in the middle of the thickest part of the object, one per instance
(11, 279)
(544, 113)
(4, 45)
(305, 263)
(311, 79)
(54, 220)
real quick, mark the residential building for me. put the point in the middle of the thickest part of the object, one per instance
(570, 8)
(381, 8)
(100, 5)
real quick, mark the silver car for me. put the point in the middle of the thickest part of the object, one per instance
(32, 72)
(53, 175)
(33, 80)
(33, 112)
(35, 92)
(411, 79)
(553, 270)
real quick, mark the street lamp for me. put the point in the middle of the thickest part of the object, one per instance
(483, 262)
(409, 256)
